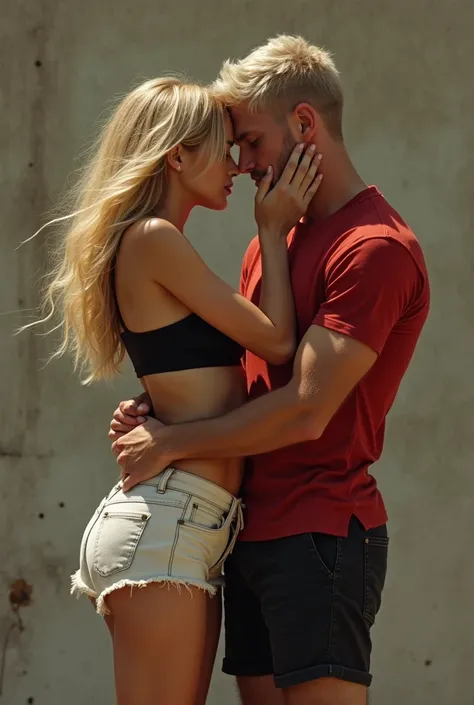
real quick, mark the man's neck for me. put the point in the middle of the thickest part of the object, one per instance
(340, 183)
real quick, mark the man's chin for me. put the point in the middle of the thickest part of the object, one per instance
(257, 179)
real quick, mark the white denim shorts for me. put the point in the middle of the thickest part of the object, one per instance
(175, 528)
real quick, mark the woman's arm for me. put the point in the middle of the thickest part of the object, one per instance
(268, 331)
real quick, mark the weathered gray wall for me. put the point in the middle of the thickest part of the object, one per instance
(407, 67)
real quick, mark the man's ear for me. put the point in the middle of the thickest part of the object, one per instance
(305, 120)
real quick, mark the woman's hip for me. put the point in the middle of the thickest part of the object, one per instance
(176, 527)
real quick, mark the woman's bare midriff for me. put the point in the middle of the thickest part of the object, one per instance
(190, 395)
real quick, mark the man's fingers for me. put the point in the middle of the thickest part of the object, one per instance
(116, 425)
(122, 423)
(130, 421)
(115, 435)
(129, 481)
(118, 428)
(131, 408)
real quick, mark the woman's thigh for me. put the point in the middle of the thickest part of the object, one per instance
(159, 639)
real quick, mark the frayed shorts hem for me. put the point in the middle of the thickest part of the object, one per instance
(78, 588)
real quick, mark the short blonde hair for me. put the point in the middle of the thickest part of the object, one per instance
(285, 71)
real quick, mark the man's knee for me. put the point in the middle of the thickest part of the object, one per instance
(326, 691)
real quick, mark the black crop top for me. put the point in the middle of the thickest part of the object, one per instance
(188, 344)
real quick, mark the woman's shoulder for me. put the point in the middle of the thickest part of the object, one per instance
(148, 229)
(156, 243)
(148, 236)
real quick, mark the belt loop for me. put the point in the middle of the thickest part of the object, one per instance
(163, 480)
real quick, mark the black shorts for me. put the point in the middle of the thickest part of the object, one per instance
(302, 607)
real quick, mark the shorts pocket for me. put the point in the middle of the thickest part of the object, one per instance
(118, 536)
(203, 534)
(205, 517)
(325, 548)
(375, 571)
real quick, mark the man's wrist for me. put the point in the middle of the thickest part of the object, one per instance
(164, 443)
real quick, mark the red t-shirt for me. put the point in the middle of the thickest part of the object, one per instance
(359, 272)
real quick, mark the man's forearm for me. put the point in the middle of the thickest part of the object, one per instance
(273, 421)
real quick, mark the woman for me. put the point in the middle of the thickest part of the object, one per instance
(127, 280)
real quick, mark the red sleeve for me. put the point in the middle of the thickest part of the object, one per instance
(368, 289)
(246, 265)
(243, 277)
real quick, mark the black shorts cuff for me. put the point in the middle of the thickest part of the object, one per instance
(313, 673)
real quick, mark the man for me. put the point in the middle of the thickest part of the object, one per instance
(304, 583)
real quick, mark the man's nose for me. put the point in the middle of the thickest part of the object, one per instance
(245, 165)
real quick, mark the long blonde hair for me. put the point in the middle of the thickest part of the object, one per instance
(124, 181)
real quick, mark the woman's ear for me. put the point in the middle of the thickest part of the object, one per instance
(174, 159)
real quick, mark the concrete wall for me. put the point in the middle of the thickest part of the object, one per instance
(407, 68)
